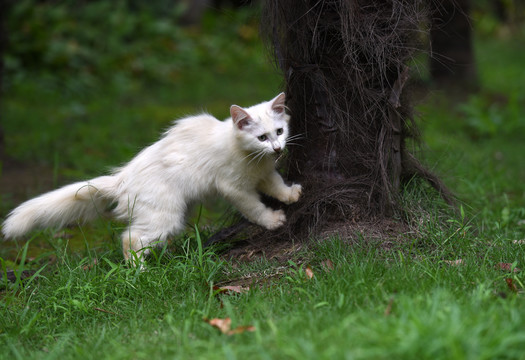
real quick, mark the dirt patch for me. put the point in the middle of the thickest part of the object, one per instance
(383, 234)
(257, 244)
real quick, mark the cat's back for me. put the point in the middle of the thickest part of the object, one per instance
(187, 139)
(194, 126)
(197, 137)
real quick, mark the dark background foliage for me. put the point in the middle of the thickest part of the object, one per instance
(104, 78)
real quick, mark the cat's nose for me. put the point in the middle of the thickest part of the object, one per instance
(277, 149)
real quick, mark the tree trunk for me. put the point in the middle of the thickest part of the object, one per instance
(452, 61)
(344, 63)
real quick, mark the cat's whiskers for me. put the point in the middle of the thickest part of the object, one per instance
(299, 135)
(261, 156)
(253, 153)
(290, 141)
(258, 155)
(295, 137)
(294, 144)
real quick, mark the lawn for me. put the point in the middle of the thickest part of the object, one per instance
(453, 288)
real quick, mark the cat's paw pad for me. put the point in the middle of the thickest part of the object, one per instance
(295, 193)
(274, 219)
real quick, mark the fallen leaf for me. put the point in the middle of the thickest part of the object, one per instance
(453, 262)
(230, 289)
(309, 272)
(327, 265)
(511, 285)
(90, 265)
(506, 267)
(241, 329)
(224, 325)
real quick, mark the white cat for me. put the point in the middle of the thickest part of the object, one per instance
(199, 156)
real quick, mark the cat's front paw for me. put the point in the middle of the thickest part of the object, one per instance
(272, 219)
(295, 193)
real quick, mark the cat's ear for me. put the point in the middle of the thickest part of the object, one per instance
(278, 103)
(240, 117)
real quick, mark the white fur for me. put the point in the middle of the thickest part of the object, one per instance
(198, 157)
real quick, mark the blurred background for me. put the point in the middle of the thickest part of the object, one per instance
(87, 84)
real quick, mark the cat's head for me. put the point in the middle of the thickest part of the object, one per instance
(262, 129)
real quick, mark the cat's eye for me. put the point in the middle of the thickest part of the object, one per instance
(262, 138)
(280, 131)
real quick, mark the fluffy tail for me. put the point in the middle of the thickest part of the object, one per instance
(82, 201)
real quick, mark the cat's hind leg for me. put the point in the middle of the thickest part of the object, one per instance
(136, 245)
(139, 238)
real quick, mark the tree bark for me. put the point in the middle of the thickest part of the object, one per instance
(344, 64)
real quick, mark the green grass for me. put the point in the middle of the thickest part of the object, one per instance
(371, 305)
(409, 300)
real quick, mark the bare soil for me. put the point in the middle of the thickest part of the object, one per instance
(386, 232)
